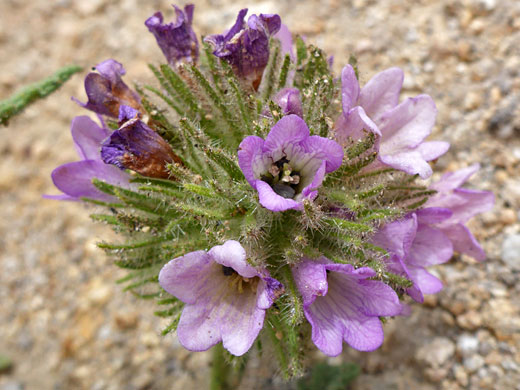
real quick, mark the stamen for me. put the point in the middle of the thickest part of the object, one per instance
(282, 179)
(274, 170)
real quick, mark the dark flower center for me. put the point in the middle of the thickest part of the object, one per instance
(228, 271)
(238, 282)
(282, 179)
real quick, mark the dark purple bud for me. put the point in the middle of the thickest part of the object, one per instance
(289, 101)
(246, 46)
(137, 147)
(106, 90)
(177, 40)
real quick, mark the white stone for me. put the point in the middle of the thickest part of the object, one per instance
(511, 251)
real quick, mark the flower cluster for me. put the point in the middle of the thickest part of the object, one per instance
(270, 190)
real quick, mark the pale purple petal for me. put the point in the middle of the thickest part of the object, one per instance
(407, 125)
(198, 328)
(349, 310)
(381, 93)
(409, 161)
(289, 101)
(343, 308)
(311, 279)
(75, 179)
(311, 191)
(241, 323)
(397, 237)
(426, 282)
(271, 200)
(354, 273)
(87, 136)
(61, 197)
(356, 124)
(249, 151)
(219, 313)
(349, 88)
(216, 310)
(452, 180)
(432, 215)
(464, 241)
(324, 149)
(463, 203)
(291, 129)
(232, 254)
(430, 246)
(185, 276)
(327, 335)
(432, 150)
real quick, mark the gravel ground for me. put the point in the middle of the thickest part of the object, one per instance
(67, 325)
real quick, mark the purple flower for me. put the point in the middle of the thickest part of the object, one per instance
(463, 204)
(137, 147)
(246, 46)
(342, 304)
(75, 179)
(289, 165)
(177, 40)
(289, 101)
(106, 91)
(225, 297)
(414, 244)
(401, 128)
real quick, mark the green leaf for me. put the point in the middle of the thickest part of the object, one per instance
(39, 90)
(349, 225)
(301, 51)
(217, 100)
(200, 190)
(172, 326)
(226, 162)
(361, 146)
(284, 71)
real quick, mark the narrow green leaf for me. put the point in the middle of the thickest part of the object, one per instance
(361, 146)
(284, 71)
(133, 245)
(200, 190)
(166, 99)
(225, 162)
(349, 225)
(39, 90)
(109, 219)
(217, 101)
(141, 283)
(172, 326)
(301, 51)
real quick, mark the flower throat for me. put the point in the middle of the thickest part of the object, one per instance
(282, 179)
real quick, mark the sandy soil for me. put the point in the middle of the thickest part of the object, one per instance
(67, 325)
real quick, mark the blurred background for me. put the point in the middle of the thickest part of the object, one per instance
(65, 324)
